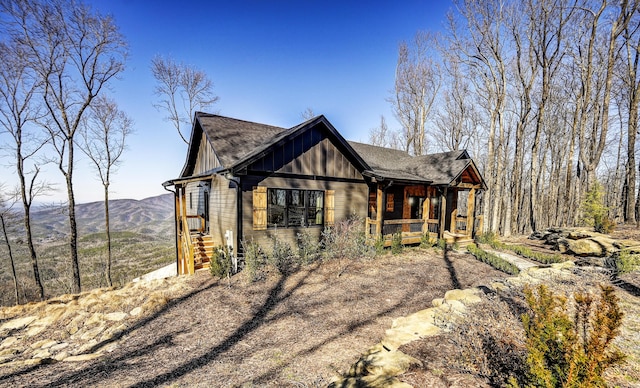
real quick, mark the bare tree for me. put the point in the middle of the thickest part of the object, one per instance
(382, 136)
(630, 92)
(8, 217)
(308, 114)
(104, 136)
(418, 79)
(455, 121)
(182, 90)
(18, 111)
(482, 47)
(75, 52)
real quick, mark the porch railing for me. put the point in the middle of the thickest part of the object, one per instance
(411, 230)
(196, 223)
(461, 224)
(187, 265)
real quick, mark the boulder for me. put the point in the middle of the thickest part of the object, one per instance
(582, 233)
(552, 238)
(607, 243)
(583, 247)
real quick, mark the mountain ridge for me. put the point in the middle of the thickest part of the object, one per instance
(150, 216)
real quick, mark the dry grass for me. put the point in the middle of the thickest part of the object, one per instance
(489, 346)
(299, 330)
(302, 329)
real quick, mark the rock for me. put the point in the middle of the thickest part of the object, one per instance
(43, 344)
(60, 346)
(563, 265)
(136, 311)
(537, 235)
(9, 351)
(626, 243)
(378, 361)
(552, 238)
(18, 323)
(82, 357)
(468, 296)
(61, 356)
(51, 317)
(72, 328)
(607, 244)
(95, 319)
(584, 247)
(93, 333)
(86, 347)
(116, 316)
(28, 362)
(8, 342)
(35, 330)
(582, 233)
(41, 353)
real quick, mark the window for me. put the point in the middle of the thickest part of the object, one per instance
(390, 203)
(294, 208)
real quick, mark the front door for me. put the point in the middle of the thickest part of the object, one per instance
(206, 212)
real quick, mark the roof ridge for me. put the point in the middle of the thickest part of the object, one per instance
(210, 115)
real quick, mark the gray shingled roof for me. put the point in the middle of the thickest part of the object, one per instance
(234, 139)
(439, 169)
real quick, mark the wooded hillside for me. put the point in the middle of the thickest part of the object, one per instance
(544, 94)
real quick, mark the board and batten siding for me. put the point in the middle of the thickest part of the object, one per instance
(222, 212)
(311, 154)
(350, 198)
(207, 159)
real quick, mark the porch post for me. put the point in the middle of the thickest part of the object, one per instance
(178, 230)
(379, 210)
(443, 212)
(471, 201)
(426, 206)
(188, 261)
(454, 218)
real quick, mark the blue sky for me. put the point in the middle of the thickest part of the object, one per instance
(268, 60)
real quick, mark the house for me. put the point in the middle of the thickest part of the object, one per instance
(245, 181)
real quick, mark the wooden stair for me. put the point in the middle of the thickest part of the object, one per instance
(203, 247)
(461, 239)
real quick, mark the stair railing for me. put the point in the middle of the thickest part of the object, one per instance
(187, 247)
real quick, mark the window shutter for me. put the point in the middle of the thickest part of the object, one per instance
(259, 208)
(330, 207)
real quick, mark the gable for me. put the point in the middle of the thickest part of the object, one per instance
(206, 159)
(310, 153)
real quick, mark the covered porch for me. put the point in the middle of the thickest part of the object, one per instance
(418, 211)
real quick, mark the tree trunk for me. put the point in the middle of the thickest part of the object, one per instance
(26, 204)
(73, 227)
(13, 266)
(106, 220)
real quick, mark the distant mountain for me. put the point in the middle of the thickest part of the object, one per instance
(151, 216)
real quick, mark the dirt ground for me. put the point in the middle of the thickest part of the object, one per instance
(298, 330)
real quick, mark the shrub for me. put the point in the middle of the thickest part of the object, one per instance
(487, 238)
(540, 257)
(396, 243)
(565, 351)
(427, 242)
(626, 262)
(346, 239)
(495, 261)
(378, 246)
(594, 212)
(522, 250)
(308, 248)
(254, 260)
(282, 256)
(220, 265)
